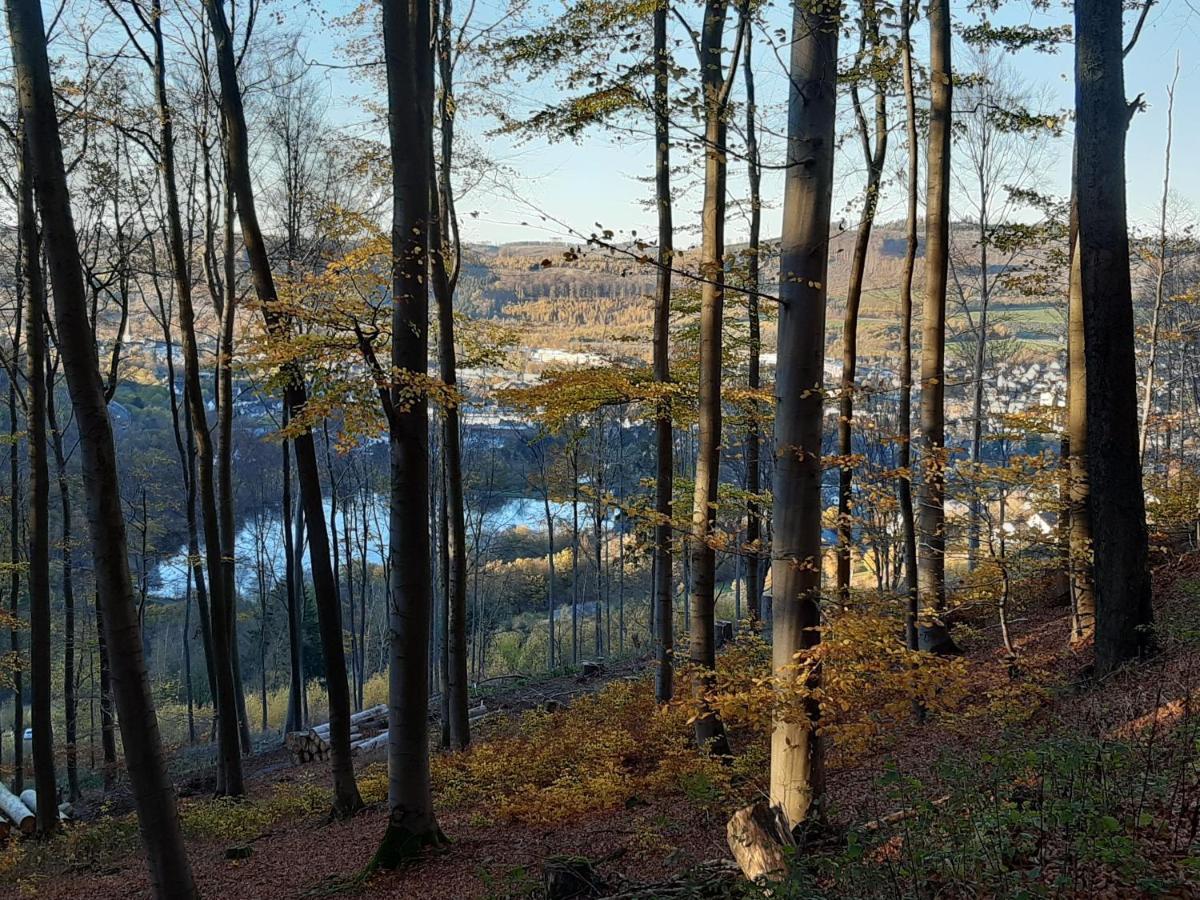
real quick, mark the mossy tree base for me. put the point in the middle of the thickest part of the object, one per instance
(403, 843)
(346, 808)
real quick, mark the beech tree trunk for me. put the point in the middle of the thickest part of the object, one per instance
(38, 520)
(70, 689)
(225, 305)
(931, 560)
(664, 465)
(754, 530)
(14, 543)
(154, 797)
(797, 765)
(874, 153)
(1124, 619)
(904, 482)
(408, 56)
(444, 264)
(329, 614)
(1083, 597)
(230, 780)
(710, 732)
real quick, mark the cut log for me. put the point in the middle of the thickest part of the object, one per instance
(902, 815)
(29, 798)
(591, 668)
(760, 840)
(375, 717)
(368, 744)
(16, 811)
(477, 712)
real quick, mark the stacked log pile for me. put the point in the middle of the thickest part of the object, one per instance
(313, 743)
(16, 812)
(368, 733)
(20, 813)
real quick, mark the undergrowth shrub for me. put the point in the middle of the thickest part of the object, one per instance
(861, 674)
(606, 750)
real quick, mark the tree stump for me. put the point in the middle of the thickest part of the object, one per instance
(724, 632)
(591, 669)
(761, 842)
(570, 878)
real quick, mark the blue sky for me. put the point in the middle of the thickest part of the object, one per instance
(601, 178)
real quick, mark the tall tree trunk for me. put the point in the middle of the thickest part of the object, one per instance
(154, 797)
(931, 560)
(710, 732)
(1159, 279)
(230, 779)
(329, 615)
(754, 548)
(38, 522)
(225, 307)
(187, 654)
(874, 153)
(294, 584)
(904, 482)
(797, 765)
(1124, 619)
(444, 265)
(14, 542)
(551, 577)
(976, 504)
(1083, 596)
(108, 736)
(575, 550)
(409, 62)
(70, 688)
(664, 466)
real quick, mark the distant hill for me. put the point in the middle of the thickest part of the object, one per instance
(569, 295)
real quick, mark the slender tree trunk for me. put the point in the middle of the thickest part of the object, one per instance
(550, 581)
(1124, 618)
(225, 307)
(187, 654)
(710, 732)
(294, 584)
(1083, 597)
(108, 737)
(38, 523)
(444, 245)
(797, 764)
(976, 505)
(154, 797)
(753, 548)
(230, 779)
(904, 482)
(14, 542)
(346, 798)
(70, 688)
(1160, 278)
(874, 153)
(575, 550)
(931, 560)
(598, 532)
(664, 471)
(409, 62)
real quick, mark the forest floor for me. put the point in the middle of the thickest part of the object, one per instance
(1051, 785)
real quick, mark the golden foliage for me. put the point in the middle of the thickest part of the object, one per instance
(861, 674)
(604, 751)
